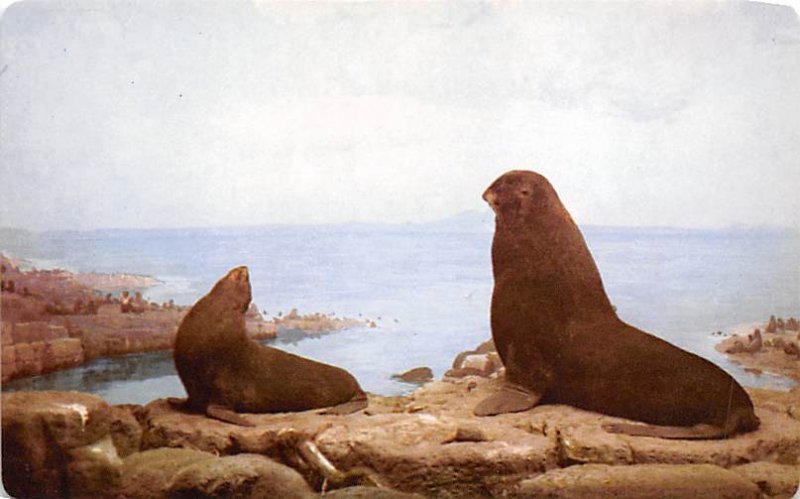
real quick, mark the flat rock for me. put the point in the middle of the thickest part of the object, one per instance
(640, 482)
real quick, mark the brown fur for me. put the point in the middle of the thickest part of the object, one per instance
(562, 342)
(221, 367)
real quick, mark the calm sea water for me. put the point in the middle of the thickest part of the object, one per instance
(427, 286)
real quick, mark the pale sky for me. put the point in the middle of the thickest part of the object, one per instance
(172, 114)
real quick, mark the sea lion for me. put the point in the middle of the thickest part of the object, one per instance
(225, 372)
(562, 342)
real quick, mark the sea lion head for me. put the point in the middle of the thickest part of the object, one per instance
(233, 290)
(520, 195)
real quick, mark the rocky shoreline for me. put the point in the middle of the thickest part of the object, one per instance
(427, 443)
(54, 320)
(772, 347)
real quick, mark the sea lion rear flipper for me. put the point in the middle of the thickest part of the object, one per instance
(349, 407)
(696, 432)
(510, 398)
(226, 415)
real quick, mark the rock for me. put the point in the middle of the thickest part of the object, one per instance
(93, 470)
(8, 336)
(39, 431)
(430, 443)
(773, 479)
(126, 431)
(148, 474)
(62, 353)
(583, 440)
(482, 361)
(243, 475)
(8, 362)
(417, 375)
(29, 358)
(418, 453)
(772, 325)
(639, 482)
(361, 492)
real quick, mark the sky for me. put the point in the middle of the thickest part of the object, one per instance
(216, 113)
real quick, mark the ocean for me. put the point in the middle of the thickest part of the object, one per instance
(427, 286)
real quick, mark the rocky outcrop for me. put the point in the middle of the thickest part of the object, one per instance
(427, 443)
(34, 348)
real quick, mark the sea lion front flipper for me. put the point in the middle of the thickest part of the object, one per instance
(349, 407)
(226, 415)
(696, 432)
(510, 398)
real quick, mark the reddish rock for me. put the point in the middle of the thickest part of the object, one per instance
(8, 336)
(30, 358)
(9, 362)
(62, 353)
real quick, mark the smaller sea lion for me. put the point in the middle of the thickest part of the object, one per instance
(225, 372)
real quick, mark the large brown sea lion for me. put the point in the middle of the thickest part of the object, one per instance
(225, 372)
(562, 342)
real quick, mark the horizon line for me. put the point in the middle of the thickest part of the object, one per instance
(396, 224)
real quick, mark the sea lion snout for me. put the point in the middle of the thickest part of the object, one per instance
(238, 274)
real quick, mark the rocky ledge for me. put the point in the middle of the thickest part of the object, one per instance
(426, 444)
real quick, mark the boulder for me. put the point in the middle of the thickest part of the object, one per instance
(243, 475)
(148, 474)
(39, 431)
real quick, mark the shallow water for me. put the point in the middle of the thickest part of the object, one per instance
(428, 287)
